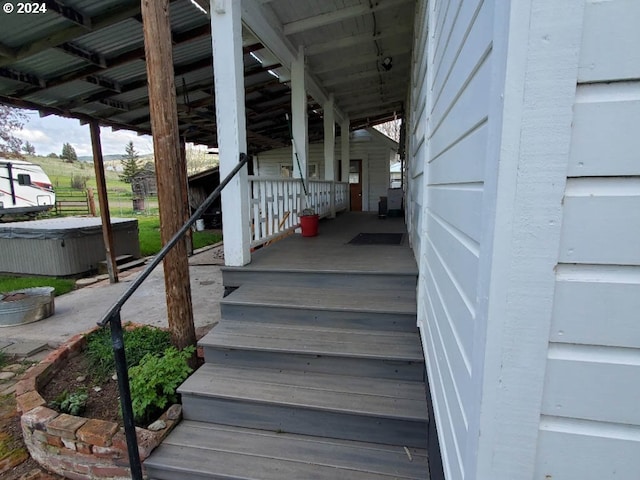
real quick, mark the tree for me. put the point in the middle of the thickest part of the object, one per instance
(69, 153)
(129, 162)
(11, 120)
(29, 149)
(199, 159)
(391, 129)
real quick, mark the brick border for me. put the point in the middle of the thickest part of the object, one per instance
(76, 447)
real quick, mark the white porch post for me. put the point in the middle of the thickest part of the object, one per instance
(330, 152)
(228, 69)
(299, 119)
(329, 141)
(344, 143)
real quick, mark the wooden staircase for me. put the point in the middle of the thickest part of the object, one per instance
(307, 376)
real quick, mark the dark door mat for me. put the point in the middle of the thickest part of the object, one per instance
(377, 239)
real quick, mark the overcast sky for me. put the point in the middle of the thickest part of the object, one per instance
(47, 134)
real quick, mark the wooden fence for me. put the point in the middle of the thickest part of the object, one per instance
(75, 202)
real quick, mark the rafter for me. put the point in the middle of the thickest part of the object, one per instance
(68, 12)
(79, 52)
(20, 103)
(22, 77)
(260, 21)
(130, 56)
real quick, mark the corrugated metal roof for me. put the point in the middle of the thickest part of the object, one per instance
(192, 51)
(185, 16)
(63, 93)
(92, 7)
(17, 30)
(133, 70)
(49, 64)
(117, 46)
(115, 39)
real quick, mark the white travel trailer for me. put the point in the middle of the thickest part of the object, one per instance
(24, 188)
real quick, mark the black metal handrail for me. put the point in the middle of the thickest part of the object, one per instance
(113, 317)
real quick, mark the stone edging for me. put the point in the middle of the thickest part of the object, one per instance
(77, 447)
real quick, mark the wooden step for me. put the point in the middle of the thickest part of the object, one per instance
(337, 406)
(370, 353)
(237, 276)
(132, 264)
(198, 451)
(353, 307)
(124, 262)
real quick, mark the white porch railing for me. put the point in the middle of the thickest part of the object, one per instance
(275, 204)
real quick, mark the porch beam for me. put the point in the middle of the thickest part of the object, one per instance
(263, 23)
(228, 70)
(373, 102)
(170, 176)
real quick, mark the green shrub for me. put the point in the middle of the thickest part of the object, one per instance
(155, 379)
(71, 403)
(137, 343)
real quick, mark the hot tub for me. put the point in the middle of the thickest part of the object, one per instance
(65, 246)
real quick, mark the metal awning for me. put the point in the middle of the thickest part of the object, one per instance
(85, 59)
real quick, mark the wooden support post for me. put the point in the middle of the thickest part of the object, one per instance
(228, 71)
(103, 200)
(171, 184)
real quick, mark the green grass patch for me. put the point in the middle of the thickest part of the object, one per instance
(202, 239)
(61, 285)
(149, 235)
(4, 359)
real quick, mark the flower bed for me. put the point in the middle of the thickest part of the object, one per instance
(73, 446)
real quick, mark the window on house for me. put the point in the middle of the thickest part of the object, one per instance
(24, 179)
(286, 170)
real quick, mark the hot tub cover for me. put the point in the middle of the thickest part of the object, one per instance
(59, 228)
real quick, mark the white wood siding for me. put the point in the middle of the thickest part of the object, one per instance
(590, 423)
(452, 80)
(375, 156)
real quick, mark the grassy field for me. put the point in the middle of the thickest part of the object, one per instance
(149, 234)
(61, 173)
(61, 285)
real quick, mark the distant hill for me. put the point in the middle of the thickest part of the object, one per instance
(89, 158)
(112, 158)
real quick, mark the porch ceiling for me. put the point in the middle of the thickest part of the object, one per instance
(85, 59)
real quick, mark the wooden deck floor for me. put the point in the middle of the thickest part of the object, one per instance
(330, 250)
